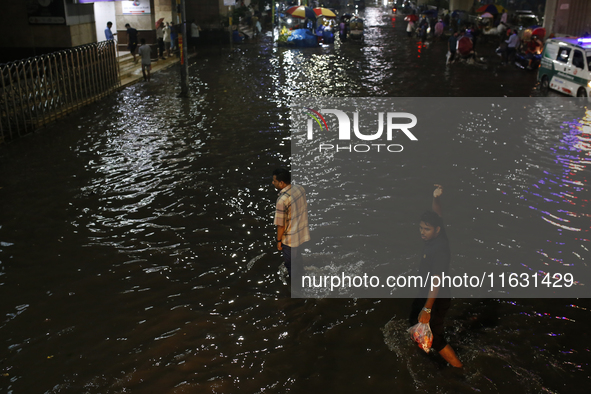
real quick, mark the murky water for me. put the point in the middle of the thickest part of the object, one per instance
(136, 248)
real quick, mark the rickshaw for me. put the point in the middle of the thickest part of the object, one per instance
(356, 28)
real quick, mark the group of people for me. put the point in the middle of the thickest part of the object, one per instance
(429, 307)
(167, 38)
(531, 49)
(436, 27)
(463, 42)
(166, 35)
(253, 23)
(325, 34)
(145, 52)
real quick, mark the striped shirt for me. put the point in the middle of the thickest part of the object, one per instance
(291, 211)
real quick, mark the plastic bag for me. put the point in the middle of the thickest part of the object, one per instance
(421, 334)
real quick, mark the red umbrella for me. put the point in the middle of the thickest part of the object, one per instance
(325, 12)
(464, 46)
(539, 32)
(411, 17)
(301, 12)
(159, 22)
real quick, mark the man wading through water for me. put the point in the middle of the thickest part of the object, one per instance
(431, 305)
(291, 219)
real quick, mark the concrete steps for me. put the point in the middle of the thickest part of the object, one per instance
(127, 67)
(130, 72)
(246, 30)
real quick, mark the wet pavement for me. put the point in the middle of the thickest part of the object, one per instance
(136, 251)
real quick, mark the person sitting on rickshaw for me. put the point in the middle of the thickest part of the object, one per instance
(534, 50)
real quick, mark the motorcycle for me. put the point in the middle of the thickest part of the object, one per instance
(529, 54)
(522, 61)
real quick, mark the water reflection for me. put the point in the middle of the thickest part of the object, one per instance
(561, 195)
(136, 251)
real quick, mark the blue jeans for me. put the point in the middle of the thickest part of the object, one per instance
(291, 255)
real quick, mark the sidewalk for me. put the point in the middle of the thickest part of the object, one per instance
(131, 73)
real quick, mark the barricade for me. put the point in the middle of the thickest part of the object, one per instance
(39, 90)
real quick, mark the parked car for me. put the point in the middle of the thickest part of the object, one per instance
(523, 20)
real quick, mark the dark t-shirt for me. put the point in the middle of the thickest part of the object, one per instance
(132, 35)
(453, 42)
(435, 260)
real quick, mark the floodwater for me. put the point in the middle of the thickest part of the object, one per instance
(136, 245)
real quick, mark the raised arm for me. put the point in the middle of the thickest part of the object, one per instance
(436, 205)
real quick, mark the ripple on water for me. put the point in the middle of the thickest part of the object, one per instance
(143, 263)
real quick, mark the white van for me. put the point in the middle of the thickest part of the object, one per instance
(566, 66)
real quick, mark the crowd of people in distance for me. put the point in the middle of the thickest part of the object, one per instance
(464, 36)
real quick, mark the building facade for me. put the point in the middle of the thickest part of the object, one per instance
(35, 27)
(568, 17)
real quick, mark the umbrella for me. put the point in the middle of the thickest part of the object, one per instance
(464, 46)
(411, 17)
(488, 8)
(430, 12)
(301, 12)
(325, 12)
(500, 8)
(539, 32)
(487, 15)
(159, 22)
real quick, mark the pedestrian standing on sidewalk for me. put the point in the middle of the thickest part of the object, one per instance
(160, 37)
(131, 40)
(108, 33)
(145, 53)
(167, 39)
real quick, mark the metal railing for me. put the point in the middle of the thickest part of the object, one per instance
(38, 90)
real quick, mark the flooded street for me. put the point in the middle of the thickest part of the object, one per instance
(136, 236)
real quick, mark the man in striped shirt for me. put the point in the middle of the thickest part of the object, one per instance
(291, 218)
